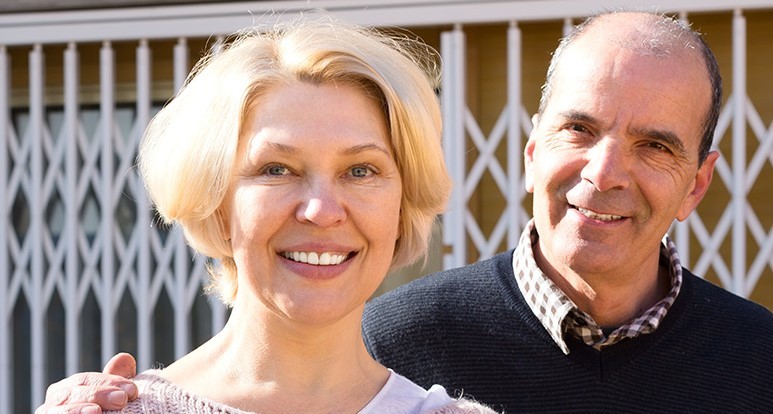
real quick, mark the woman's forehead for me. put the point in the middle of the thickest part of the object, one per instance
(319, 115)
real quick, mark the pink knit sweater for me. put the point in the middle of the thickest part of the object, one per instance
(399, 396)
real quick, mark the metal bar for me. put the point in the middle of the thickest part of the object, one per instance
(107, 109)
(739, 153)
(145, 355)
(35, 205)
(181, 260)
(6, 396)
(459, 109)
(180, 57)
(568, 26)
(182, 305)
(71, 112)
(452, 45)
(450, 217)
(516, 191)
(205, 19)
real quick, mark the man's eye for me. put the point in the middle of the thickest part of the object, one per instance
(659, 147)
(577, 128)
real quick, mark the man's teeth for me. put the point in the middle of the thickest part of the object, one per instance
(314, 258)
(598, 216)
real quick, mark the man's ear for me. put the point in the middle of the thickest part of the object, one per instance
(528, 156)
(700, 185)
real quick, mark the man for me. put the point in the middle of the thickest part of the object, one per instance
(593, 310)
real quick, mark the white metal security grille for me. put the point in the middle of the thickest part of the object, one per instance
(85, 268)
(80, 239)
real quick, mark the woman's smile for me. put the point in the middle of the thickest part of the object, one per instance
(317, 259)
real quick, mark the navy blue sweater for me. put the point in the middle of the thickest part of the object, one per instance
(470, 330)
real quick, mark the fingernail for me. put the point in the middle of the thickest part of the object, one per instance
(130, 390)
(117, 398)
(90, 410)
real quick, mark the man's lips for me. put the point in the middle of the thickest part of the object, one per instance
(596, 215)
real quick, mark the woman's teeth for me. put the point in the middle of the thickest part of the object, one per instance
(598, 216)
(314, 258)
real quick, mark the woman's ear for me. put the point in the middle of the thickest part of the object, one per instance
(223, 217)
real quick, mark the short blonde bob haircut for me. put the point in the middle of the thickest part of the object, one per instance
(188, 153)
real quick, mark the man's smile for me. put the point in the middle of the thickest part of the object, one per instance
(597, 216)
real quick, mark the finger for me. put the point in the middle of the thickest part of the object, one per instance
(107, 397)
(122, 364)
(91, 379)
(69, 409)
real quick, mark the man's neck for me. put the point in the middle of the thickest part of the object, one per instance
(614, 298)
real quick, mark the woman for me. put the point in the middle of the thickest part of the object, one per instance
(307, 161)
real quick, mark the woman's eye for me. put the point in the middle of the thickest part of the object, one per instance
(361, 171)
(276, 170)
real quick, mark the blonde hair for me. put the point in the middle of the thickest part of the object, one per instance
(188, 153)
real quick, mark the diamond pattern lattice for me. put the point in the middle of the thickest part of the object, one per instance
(79, 246)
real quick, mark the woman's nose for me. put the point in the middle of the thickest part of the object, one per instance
(606, 166)
(322, 205)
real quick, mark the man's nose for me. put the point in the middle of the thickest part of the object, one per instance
(607, 166)
(321, 205)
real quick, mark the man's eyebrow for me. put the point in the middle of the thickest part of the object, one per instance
(578, 116)
(666, 137)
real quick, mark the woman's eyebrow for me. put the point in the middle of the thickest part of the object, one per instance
(275, 146)
(356, 149)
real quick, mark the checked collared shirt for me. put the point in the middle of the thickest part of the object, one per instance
(559, 315)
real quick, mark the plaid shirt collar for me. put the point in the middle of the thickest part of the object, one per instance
(558, 314)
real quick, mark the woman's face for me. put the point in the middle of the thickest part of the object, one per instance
(315, 203)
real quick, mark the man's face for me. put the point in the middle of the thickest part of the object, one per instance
(613, 158)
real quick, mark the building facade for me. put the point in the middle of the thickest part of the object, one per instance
(85, 269)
